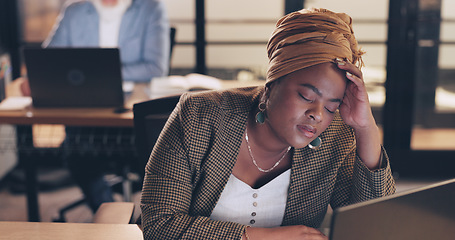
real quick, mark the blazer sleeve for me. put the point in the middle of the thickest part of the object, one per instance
(168, 188)
(356, 183)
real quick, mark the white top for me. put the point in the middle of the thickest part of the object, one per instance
(110, 20)
(262, 207)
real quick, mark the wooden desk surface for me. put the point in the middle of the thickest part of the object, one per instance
(68, 231)
(88, 116)
(69, 117)
(72, 116)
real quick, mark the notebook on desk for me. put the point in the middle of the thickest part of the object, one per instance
(421, 214)
(74, 77)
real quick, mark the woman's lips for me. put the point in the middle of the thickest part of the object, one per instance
(307, 130)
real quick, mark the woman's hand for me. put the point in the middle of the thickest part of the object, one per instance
(356, 112)
(355, 108)
(288, 232)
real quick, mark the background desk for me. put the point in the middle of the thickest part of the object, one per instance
(64, 116)
(68, 231)
(90, 116)
(68, 117)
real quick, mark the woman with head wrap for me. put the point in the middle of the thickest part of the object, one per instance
(266, 162)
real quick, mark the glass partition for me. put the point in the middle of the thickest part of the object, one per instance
(434, 114)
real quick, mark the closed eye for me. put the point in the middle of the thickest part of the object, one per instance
(330, 111)
(332, 108)
(306, 99)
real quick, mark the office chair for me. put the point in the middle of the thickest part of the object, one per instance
(124, 177)
(149, 119)
(173, 32)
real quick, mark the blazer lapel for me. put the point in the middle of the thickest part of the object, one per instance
(224, 153)
(314, 173)
(222, 156)
(302, 178)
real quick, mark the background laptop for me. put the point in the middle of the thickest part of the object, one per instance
(74, 77)
(426, 213)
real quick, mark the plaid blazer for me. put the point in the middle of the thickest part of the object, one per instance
(196, 152)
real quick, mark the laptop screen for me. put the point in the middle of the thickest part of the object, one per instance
(74, 77)
(426, 213)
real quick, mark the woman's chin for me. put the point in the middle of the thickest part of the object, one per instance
(301, 143)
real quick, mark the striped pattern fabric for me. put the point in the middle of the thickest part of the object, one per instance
(196, 152)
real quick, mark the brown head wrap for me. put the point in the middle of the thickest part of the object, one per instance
(309, 37)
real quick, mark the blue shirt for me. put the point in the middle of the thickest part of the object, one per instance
(144, 37)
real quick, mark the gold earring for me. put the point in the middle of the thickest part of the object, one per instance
(260, 116)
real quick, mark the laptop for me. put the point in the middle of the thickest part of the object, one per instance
(426, 213)
(74, 77)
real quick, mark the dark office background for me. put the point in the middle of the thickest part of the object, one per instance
(9, 33)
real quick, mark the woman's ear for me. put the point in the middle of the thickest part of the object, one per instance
(268, 89)
(266, 94)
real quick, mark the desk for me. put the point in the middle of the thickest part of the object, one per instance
(68, 117)
(76, 117)
(91, 116)
(68, 231)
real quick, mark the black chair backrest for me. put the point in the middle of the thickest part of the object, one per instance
(149, 119)
(173, 32)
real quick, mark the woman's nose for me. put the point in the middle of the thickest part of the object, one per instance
(315, 112)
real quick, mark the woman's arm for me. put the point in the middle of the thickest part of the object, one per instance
(298, 232)
(355, 182)
(356, 112)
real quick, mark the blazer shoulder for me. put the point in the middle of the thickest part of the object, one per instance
(236, 99)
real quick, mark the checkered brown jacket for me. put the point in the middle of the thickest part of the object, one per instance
(196, 152)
